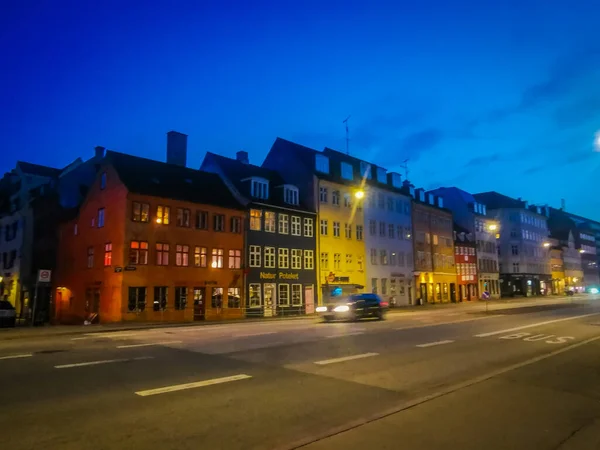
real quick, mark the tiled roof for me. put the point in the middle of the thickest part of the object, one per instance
(154, 178)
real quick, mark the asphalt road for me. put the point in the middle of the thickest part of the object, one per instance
(514, 378)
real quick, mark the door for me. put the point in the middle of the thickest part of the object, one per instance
(424, 292)
(270, 300)
(199, 303)
(452, 292)
(309, 299)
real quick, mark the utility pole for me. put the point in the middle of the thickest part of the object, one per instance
(345, 121)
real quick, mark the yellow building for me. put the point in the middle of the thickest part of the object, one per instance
(558, 271)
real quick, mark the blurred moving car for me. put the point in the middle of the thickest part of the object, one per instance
(353, 307)
(8, 315)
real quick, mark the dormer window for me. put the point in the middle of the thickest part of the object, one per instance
(322, 163)
(365, 169)
(260, 188)
(347, 171)
(396, 181)
(381, 175)
(290, 195)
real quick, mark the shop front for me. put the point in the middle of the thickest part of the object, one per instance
(526, 285)
(435, 288)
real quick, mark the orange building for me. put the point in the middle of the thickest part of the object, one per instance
(151, 242)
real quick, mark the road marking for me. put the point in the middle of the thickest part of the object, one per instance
(25, 355)
(345, 358)
(493, 333)
(354, 333)
(148, 344)
(254, 334)
(433, 344)
(449, 323)
(106, 361)
(181, 387)
(80, 338)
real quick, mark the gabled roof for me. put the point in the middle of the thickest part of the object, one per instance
(157, 179)
(494, 200)
(305, 154)
(36, 169)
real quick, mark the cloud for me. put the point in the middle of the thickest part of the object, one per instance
(578, 111)
(416, 143)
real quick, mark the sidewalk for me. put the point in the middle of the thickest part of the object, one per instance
(65, 330)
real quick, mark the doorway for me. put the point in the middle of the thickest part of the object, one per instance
(309, 299)
(452, 292)
(423, 288)
(199, 303)
(270, 300)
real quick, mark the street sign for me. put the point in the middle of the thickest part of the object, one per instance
(44, 276)
(118, 269)
(130, 268)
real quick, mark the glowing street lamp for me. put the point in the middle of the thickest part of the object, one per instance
(581, 251)
(493, 227)
(546, 244)
(359, 194)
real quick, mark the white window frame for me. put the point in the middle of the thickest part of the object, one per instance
(324, 227)
(270, 225)
(336, 229)
(323, 194)
(259, 188)
(255, 219)
(254, 256)
(269, 258)
(296, 288)
(347, 171)
(296, 259)
(283, 223)
(281, 297)
(309, 259)
(308, 227)
(296, 226)
(253, 286)
(291, 195)
(283, 258)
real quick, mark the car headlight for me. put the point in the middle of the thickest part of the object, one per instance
(342, 308)
(321, 309)
(594, 290)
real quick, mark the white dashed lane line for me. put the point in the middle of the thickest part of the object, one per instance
(25, 355)
(197, 384)
(345, 358)
(148, 344)
(105, 361)
(354, 333)
(539, 324)
(433, 344)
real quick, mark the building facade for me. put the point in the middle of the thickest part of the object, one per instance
(466, 264)
(523, 246)
(435, 270)
(280, 268)
(151, 242)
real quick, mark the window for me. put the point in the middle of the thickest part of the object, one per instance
(427, 238)
(391, 229)
(324, 261)
(137, 299)
(399, 232)
(514, 250)
(399, 205)
(514, 233)
(347, 200)
(390, 203)
(138, 253)
(100, 217)
(269, 221)
(407, 233)
(255, 219)
(202, 220)
(162, 254)
(381, 200)
(284, 294)
(365, 170)
(359, 263)
(335, 198)
(217, 258)
(322, 163)
(254, 295)
(515, 267)
(216, 299)
(218, 222)
(374, 256)
(359, 232)
(336, 229)
(103, 180)
(255, 256)
(160, 298)
(236, 225)
(308, 227)
(260, 189)
(163, 215)
(323, 227)
(200, 256)
(284, 258)
(383, 257)
(291, 195)
(140, 212)
(108, 254)
(374, 285)
(382, 229)
(284, 224)
(372, 227)
(90, 257)
(296, 295)
(235, 259)
(393, 259)
(182, 254)
(384, 286)
(296, 231)
(269, 257)
(296, 258)
(323, 194)
(435, 239)
(348, 230)
(234, 298)
(309, 262)
(401, 259)
(348, 261)
(180, 297)
(346, 169)
(381, 175)
(337, 261)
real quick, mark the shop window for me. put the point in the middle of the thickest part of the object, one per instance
(296, 295)
(137, 299)
(160, 298)
(234, 298)
(180, 297)
(254, 295)
(216, 299)
(284, 294)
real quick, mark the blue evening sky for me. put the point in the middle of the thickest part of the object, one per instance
(483, 95)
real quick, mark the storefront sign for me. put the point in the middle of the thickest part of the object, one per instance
(279, 276)
(130, 268)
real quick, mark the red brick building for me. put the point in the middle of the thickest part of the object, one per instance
(466, 264)
(151, 242)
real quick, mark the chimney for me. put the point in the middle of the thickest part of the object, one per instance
(563, 204)
(242, 157)
(176, 148)
(99, 152)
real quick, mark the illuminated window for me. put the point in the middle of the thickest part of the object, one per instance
(162, 254)
(138, 253)
(254, 295)
(284, 224)
(255, 219)
(140, 212)
(284, 294)
(308, 227)
(234, 298)
(182, 255)
(217, 258)
(296, 295)
(200, 256)
(309, 261)
(284, 258)
(235, 259)
(270, 257)
(216, 299)
(108, 254)
(296, 258)
(163, 215)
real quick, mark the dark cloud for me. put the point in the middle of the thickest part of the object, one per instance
(578, 111)
(478, 161)
(415, 143)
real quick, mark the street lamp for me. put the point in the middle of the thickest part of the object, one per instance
(359, 194)
(581, 251)
(546, 244)
(493, 227)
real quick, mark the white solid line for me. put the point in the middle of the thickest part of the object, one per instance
(345, 358)
(25, 355)
(433, 344)
(106, 361)
(253, 334)
(180, 387)
(355, 333)
(471, 319)
(493, 333)
(80, 338)
(148, 344)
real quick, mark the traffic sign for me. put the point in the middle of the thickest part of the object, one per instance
(44, 276)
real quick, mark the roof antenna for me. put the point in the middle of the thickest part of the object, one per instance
(345, 121)
(404, 165)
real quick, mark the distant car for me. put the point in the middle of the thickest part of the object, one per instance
(8, 315)
(353, 307)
